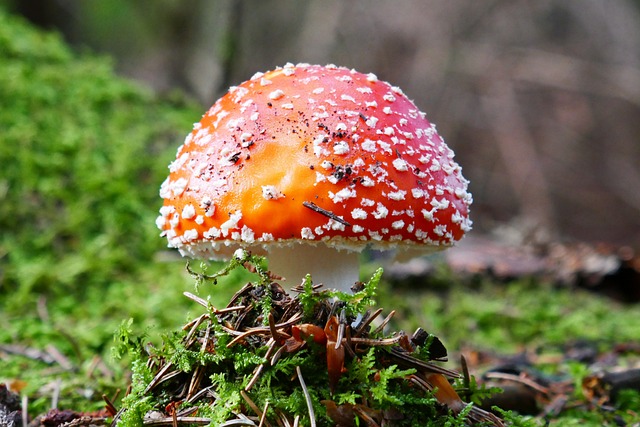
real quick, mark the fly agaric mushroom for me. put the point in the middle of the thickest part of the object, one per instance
(310, 164)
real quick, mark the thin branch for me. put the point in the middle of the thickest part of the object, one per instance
(326, 213)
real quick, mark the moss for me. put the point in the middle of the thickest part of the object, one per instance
(508, 317)
(82, 154)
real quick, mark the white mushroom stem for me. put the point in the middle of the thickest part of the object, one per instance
(337, 269)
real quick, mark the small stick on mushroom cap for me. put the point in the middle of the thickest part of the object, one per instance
(307, 157)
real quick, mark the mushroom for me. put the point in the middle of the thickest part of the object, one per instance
(311, 164)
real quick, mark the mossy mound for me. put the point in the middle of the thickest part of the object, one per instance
(311, 358)
(82, 153)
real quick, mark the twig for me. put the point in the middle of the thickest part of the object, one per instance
(480, 416)
(194, 324)
(229, 309)
(339, 338)
(420, 382)
(238, 422)
(554, 407)
(275, 334)
(196, 378)
(276, 356)
(366, 417)
(109, 406)
(195, 321)
(284, 422)
(299, 288)
(238, 294)
(407, 360)
(208, 390)
(205, 341)
(86, 421)
(271, 345)
(466, 379)
(28, 352)
(231, 331)
(325, 212)
(307, 397)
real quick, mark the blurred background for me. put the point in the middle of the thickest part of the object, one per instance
(540, 100)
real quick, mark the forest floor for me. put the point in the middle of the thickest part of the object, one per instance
(554, 330)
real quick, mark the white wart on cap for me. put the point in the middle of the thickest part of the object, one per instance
(318, 155)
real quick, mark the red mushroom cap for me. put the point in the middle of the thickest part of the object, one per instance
(310, 154)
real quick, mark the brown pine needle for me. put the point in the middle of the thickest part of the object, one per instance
(254, 379)
(253, 406)
(307, 397)
(263, 418)
(361, 328)
(197, 299)
(384, 322)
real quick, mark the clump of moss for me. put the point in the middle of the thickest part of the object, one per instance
(313, 356)
(82, 154)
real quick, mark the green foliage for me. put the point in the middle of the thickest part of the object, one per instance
(83, 153)
(356, 303)
(629, 400)
(237, 263)
(307, 298)
(514, 420)
(228, 391)
(380, 388)
(136, 401)
(459, 420)
(578, 372)
(128, 344)
(471, 391)
(359, 301)
(125, 341)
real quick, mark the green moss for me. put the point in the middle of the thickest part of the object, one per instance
(82, 154)
(508, 317)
